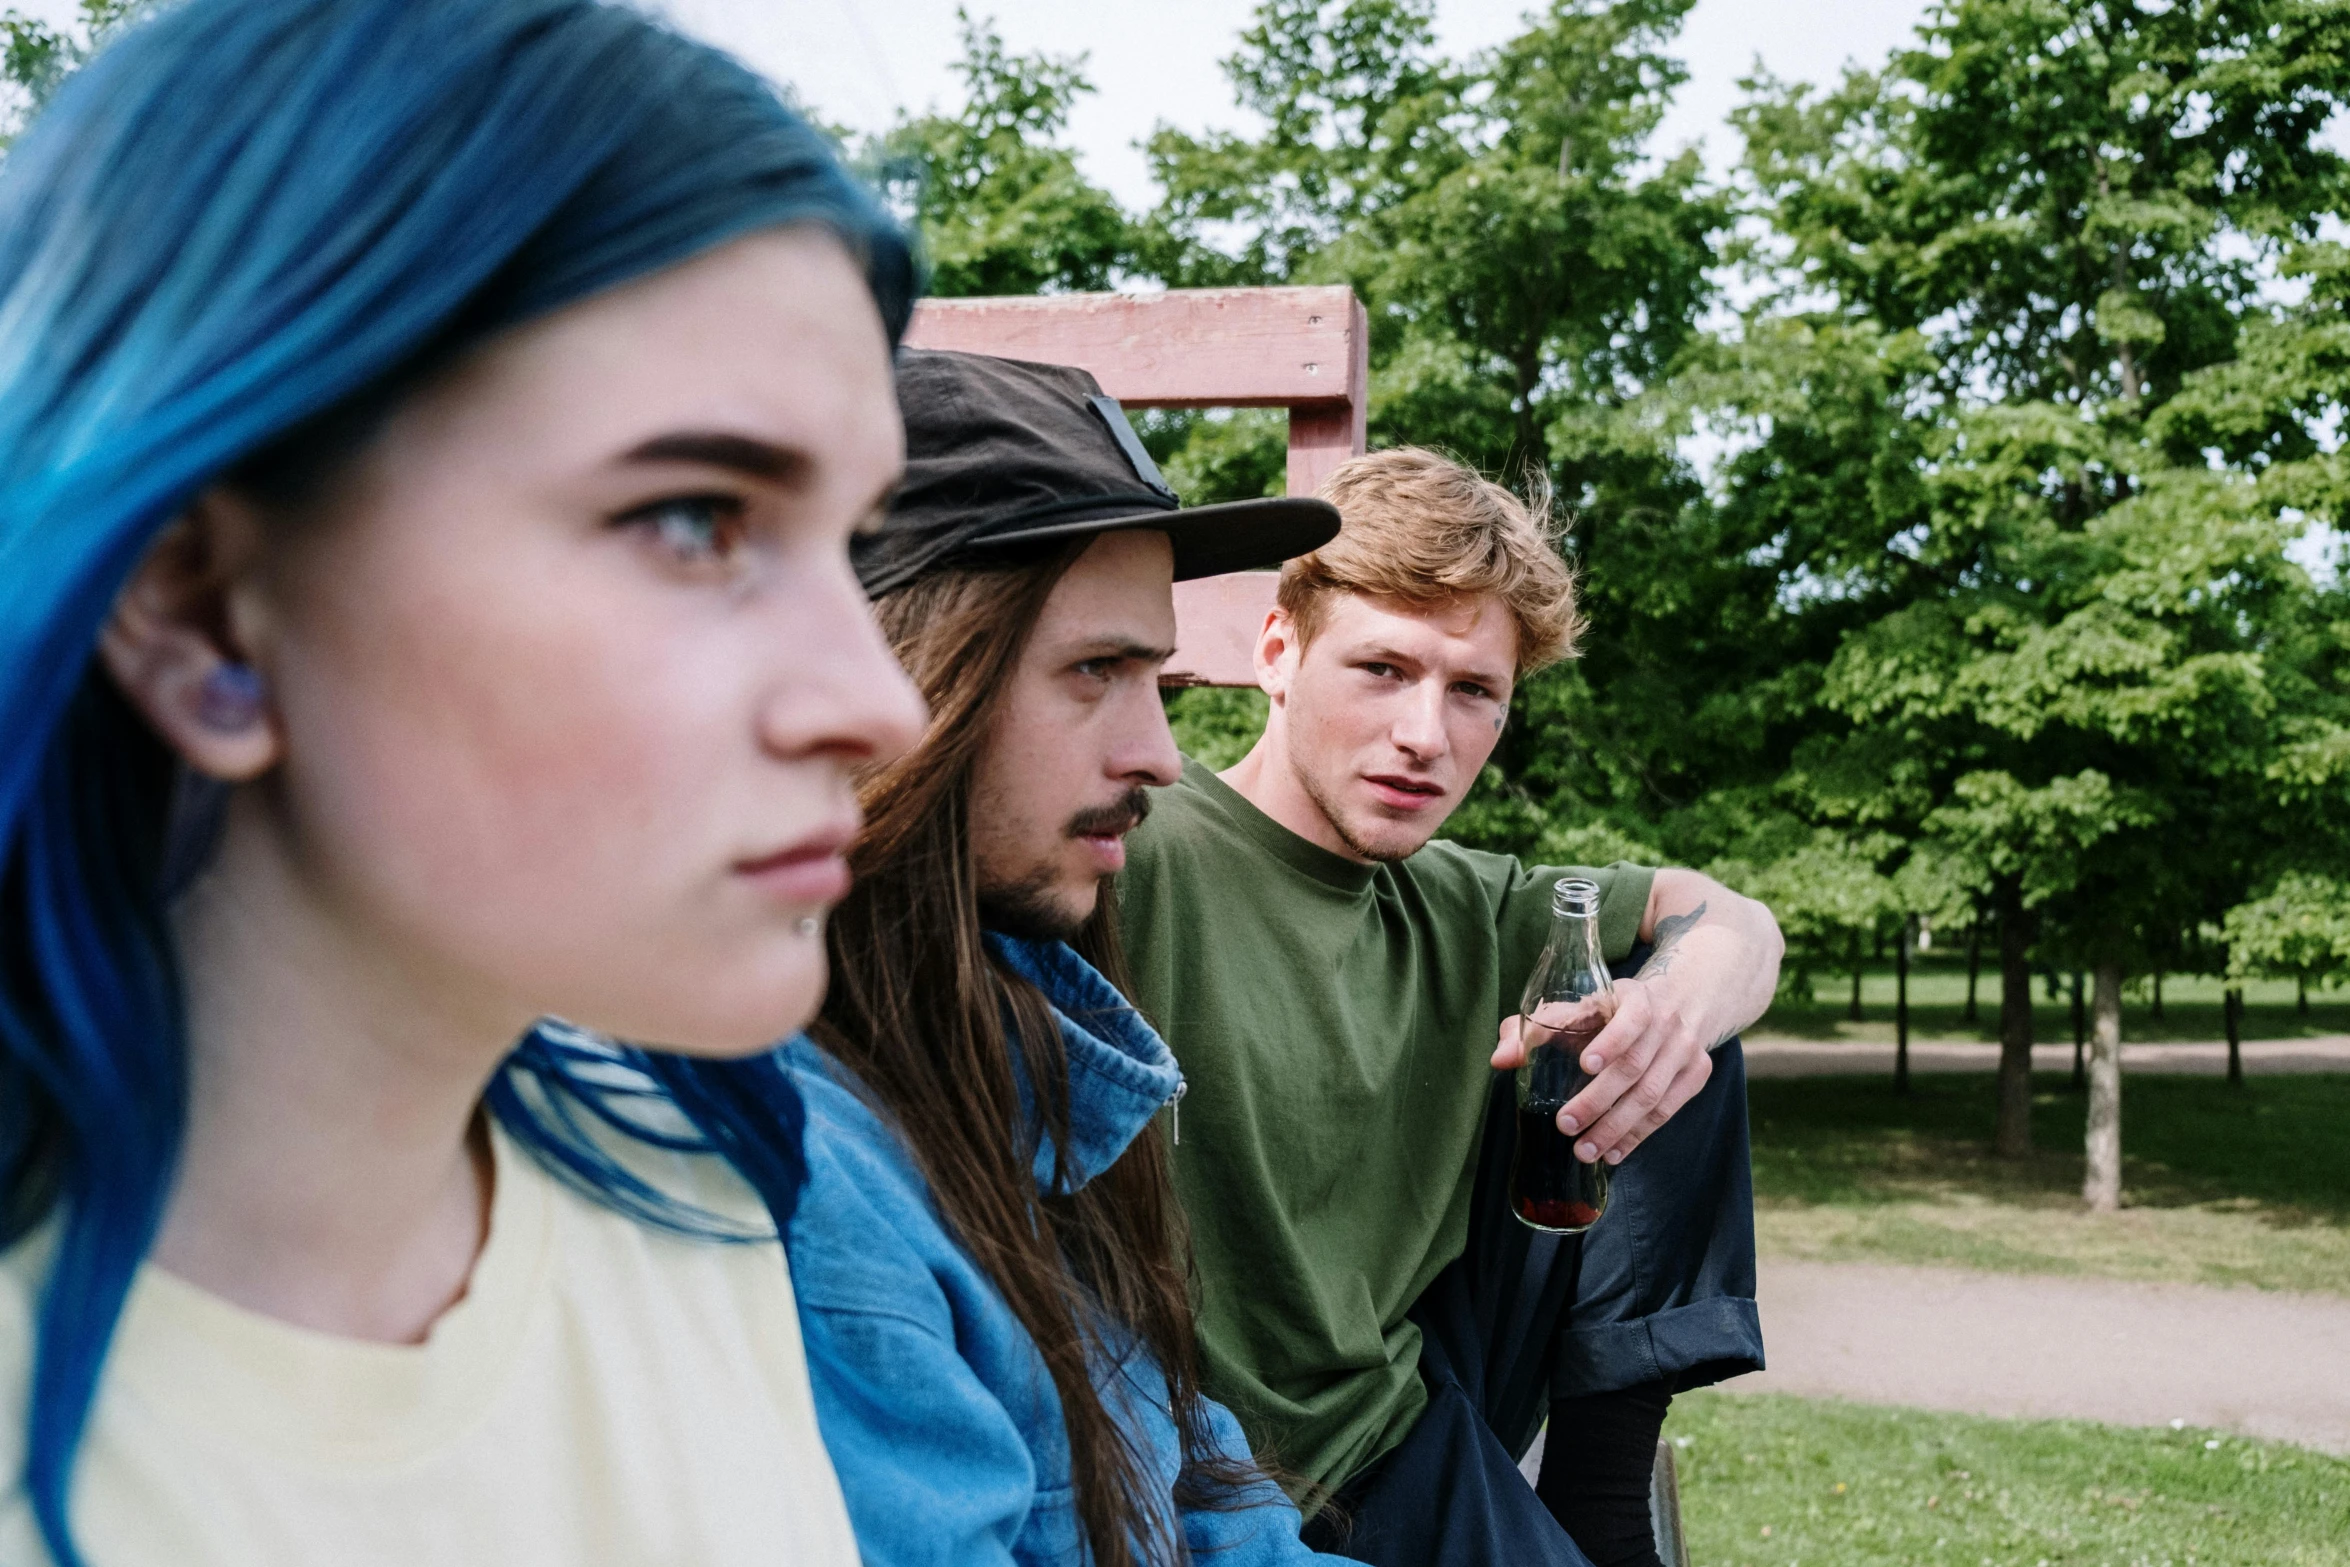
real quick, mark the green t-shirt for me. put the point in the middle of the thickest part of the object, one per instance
(1334, 1022)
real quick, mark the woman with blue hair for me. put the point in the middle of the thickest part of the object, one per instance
(430, 434)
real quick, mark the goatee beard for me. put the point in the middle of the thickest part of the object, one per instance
(1026, 909)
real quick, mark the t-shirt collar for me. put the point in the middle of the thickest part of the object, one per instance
(1298, 853)
(1120, 1072)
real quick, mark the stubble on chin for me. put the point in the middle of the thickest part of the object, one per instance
(1028, 909)
(1030, 906)
(1380, 853)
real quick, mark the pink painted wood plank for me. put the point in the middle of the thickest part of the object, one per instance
(1318, 442)
(1216, 624)
(1185, 348)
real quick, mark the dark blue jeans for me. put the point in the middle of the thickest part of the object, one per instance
(1661, 1289)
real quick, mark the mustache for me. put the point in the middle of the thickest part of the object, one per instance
(1115, 819)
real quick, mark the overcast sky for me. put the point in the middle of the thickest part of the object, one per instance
(862, 61)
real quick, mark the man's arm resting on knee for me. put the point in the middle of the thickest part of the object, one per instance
(1712, 971)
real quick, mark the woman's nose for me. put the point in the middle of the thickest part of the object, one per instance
(848, 692)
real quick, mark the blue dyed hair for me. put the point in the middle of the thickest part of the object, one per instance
(228, 245)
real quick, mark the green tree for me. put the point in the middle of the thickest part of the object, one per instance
(1986, 610)
(35, 57)
(998, 203)
(2299, 929)
(1528, 275)
(2079, 633)
(1833, 902)
(1354, 98)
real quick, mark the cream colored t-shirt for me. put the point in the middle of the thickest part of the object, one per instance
(604, 1394)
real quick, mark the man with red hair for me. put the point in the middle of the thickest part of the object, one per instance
(1332, 981)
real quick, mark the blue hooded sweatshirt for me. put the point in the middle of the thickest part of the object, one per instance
(939, 1414)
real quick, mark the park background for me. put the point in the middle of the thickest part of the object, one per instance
(1945, 402)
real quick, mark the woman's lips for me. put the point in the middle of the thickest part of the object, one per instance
(813, 871)
(1398, 793)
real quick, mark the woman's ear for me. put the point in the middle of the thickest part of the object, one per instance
(173, 641)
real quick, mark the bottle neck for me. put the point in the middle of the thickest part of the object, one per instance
(1572, 966)
(1575, 934)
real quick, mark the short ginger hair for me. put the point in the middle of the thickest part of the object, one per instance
(1419, 527)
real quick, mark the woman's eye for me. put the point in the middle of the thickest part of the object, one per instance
(1096, 668)
(1379, 671)
(695, 529)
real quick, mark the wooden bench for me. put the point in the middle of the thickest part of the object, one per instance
(1306, 350)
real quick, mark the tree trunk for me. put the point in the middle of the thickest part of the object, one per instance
(1974, 967)
(1856, 987)
(2080, 1036)
(2301, 998)
(1901, 1011)
(2101, 1187)
(2013, 1140)
(1529, 448)
(2158, 995)
(2231, 1011)
(2132, 383)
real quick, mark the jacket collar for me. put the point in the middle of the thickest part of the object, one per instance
(1120, 1072)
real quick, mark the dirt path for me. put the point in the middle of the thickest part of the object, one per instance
(1781, 1057)
(2258, 1362)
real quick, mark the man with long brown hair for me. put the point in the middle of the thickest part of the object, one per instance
(1331, 977)
(987, 1253)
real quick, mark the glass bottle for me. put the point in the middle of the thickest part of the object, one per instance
(1569, 998)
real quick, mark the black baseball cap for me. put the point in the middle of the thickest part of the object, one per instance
(1003, 456)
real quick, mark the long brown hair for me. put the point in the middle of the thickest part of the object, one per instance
(934, 1023)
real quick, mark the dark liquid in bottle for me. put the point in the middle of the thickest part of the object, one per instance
(1550, 1188)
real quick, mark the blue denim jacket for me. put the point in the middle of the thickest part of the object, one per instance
(939, 1414)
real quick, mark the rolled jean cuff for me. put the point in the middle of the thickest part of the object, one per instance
(1686, 1346)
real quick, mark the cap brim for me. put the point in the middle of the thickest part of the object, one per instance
(1211, 540)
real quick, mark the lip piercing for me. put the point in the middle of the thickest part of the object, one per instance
(230, 698)
(808, 926)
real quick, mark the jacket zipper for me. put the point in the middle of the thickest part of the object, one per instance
(1175, 1110)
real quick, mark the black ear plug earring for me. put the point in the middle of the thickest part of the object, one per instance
(230, 699)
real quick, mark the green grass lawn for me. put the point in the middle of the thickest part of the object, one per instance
(1937, 1008)
(1773, 1481)
(2224, 1185)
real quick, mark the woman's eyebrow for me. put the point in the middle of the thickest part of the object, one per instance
(741, 454)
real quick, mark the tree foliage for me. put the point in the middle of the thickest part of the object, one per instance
(2299, 929)
(2084, 636)
(35, 57)
(996, 201)
(1993, 608)
(1990, 597)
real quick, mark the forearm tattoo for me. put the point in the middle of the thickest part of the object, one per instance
(1669, 932)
